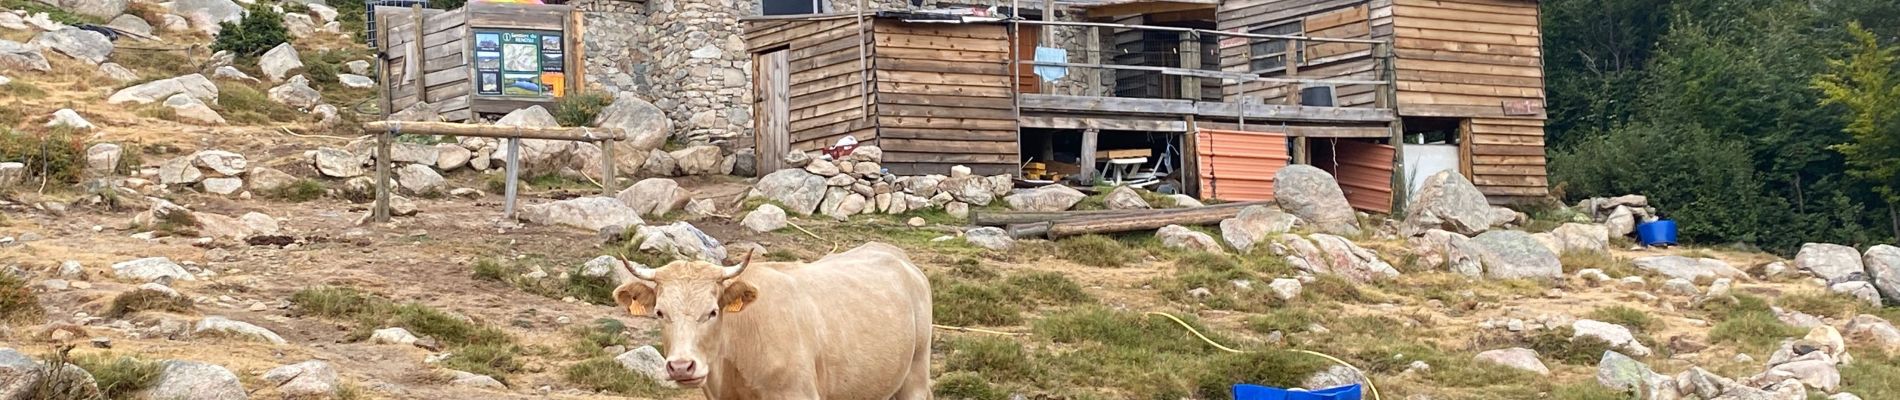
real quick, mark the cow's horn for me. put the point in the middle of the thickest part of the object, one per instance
(644, 273)
(734, 271)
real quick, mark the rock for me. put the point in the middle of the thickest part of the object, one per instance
(537, 156)
(1285, 288)
(118, 72)
(1254, 225)
(797, 189)
(417, 112)
(420, 179)
(459, 378)
(823, 167)
(221, 163)
(590, 213)
(16, 56)
(1508, 254)
(338, 163)
(359, 67)
(147, 93)
(1180, 237)
(296, 93)
(206, 14)
(745, 162)
(279, 61)
(103, 159)
(223, 186)
(654, 196)
(191, 109)
(659, 163)
(1862, 290)
(1875, 330)
(1832, 262)
(394, 336)
(977, 191)
(1047, 198)
(697, 160)
(130, 23)
(91, 47)
(1621, 222)
(260, 223)
(68, 118)
(1450, 250)
(151, 269)
(450, 156)
(194, 380)
(1828, 339)
(231, 73)
(1332, 377)
(1449, 202)
(356, 81)
(647, 362)
(1620, 372)
(412, 153)
(766, 218)
(1185, 201)
(1582, 238)
(222, 325)
(989, 237)
(1125, 198)
(681, 240)
(1818, 374)
(1681, 286)
(11, 21)
(308, 379)
(19, 374)
(1687, 268)
(853, 204)
(1617, 336)
(1883, 265)
(1312, 194)
(327, 14)
(796, 159)
(1516, 358)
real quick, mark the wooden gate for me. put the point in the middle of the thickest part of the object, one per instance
(774, 87)
(1239, 165)
(1364, 171)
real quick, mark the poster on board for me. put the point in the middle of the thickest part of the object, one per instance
(490, 84)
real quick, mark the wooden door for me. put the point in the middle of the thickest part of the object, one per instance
(772, 89)
(1026, 38)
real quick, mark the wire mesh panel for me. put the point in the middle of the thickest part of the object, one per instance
(369, 15)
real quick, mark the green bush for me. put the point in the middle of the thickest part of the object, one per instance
(17, 301)
(967, 386)
(147, 300)
(54, 13)
(300, 191)
(1635, 319)
(246, 104)
(963, 304)
(605, 374)
(995, 357)
(57, 154)
(119, 377)
(495, 360)
(261, 29)
(1097, 251)
(580, 109)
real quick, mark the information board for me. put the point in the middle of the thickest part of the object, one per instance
(520, 63)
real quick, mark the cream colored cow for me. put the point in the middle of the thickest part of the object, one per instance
(853, 325)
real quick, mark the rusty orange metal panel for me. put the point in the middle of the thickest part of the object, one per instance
(1239, 165)
(1365, 174)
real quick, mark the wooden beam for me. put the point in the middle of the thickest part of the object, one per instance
(1102, 123)
(584, 134)
(1190, 55)
(1089, 137)
(1201, 31)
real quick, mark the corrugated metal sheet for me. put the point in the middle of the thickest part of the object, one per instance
(1365, 174)
(1238, 165)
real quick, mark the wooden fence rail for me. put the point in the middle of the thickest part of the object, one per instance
(389, 130)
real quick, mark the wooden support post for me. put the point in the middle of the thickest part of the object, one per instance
(381, 212)
(1048, 148)
(415, 54)
(576, 53)
(607, 178)
(1048, 32)
(1292, 62)
(1088, 155)
(1300, 155)
(1190, 164)
(382, 66)
(1190, 55)
(1093, 55)
(1401, 186)
(864, 68)
(514, 174)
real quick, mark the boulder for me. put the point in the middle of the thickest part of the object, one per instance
(1449, 202)
(359, 67)
(1450, 250)
(261, 223)
(130, 23)
(224, 186)
(84, 45)
(1883, 265)
(590, 213)
(300, 25)
(191, 109)
(794, 188)
(1125, 198)
(823, 167)
(1862, 290)
(647, 362)
(68, 118)
(394, 336)
(1340, 256)
(697, 160)
(796, 159)
(1046, 198)
(296, 93)
(1285, 288)
(147, 93)
(1254, 225)
(654, 196)
(222, 325)
(356, 81)
(1873, 329)
(450, 156)
(417, 112)
(989, 237)
(103, 158)
(1832, 262)
(16, 56)
(646, 126)
(1312, 194)
(659, 163)
(1517, 358)
(19, 374)
(1617, 336)
(279, 61)
(420, 179)
(102, 9)
(461, 378)
(334, 162)
(1185, 201)
(412, 153)
(308, 379)
(1621, 221)
(11, 21)
(11, 173)
(118, 72)
(179, 379)
(1332, 377)
(205, 15)
(1508, 254)
(978, 191)
(538, 156)
(221, 163)
(1620, 372)
(745, 162)
(681, 240)
(178, 171)
(151, 269)
(1687, 268)
(1180, 237)
(1819, 374)
(766, 218)
(1582, 238)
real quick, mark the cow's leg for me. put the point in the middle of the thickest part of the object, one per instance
(916, 385)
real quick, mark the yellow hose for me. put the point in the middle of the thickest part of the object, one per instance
(1197, 333)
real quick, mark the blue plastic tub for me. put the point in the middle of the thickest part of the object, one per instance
(1659, 233)
(1257, 392)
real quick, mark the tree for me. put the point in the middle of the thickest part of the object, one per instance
(261, 29)
(1866, 82)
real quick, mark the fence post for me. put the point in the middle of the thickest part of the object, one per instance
(381, 212)
(607, 179)
(514, 174)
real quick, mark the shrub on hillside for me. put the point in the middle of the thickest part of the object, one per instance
(58, 154)
(580, 109)
(260, 30)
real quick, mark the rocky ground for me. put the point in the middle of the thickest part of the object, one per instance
(198, 232)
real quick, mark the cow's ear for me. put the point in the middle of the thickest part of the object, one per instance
(736, 296)
(636, 297)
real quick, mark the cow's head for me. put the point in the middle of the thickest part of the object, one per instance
(689, 298)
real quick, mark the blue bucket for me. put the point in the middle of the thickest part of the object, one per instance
(1257, 392)
(1659, 233)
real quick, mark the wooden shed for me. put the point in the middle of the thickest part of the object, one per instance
(931, 91)
(483, 58)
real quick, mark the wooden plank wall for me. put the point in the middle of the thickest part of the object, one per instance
(943, 96)
(443, 65)
(1340, 19)
(1466, 59)
(828, 98)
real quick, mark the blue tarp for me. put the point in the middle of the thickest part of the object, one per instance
(1257, 392)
